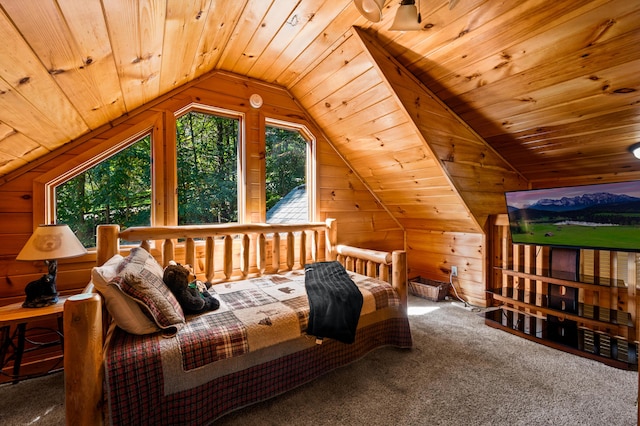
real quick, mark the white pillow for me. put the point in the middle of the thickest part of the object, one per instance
(124, 310)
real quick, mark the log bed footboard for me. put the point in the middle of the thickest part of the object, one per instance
(85, 314)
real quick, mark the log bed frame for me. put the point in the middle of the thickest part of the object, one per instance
(86, 320)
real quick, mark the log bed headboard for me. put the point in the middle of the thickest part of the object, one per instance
(211, 250)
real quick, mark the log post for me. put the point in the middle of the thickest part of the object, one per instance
(228, 256)
(303, 249)
(261, 257)
(350, 263)
(372, 269)
(399, 280)
(190, 253)
(290, 250)
(168, 252)
(83, 373)
(314, 245)
(275, 253)
(331, 237)
(107, 243)
(244, 255)
(384, 272)
(210, 270)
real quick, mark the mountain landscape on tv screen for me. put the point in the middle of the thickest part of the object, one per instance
(584, 201)
(596, 220)
(600, 207)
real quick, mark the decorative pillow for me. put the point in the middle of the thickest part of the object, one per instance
(124, 310)
(140, 277)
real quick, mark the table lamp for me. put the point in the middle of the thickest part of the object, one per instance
(48, 243)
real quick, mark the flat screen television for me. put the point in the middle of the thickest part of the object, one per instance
(603, 216)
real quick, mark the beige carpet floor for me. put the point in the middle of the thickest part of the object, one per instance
(460, 372)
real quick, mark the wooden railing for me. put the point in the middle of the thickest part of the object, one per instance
(211, 249)
(202, 242)
(375, 264)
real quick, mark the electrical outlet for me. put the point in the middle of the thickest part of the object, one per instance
(454, 271)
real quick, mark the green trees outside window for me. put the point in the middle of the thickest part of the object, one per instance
(207, 148)
(286, 170)
(117, 190)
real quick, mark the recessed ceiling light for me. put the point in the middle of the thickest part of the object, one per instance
(635, 150)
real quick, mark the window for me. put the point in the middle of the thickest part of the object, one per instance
(117, 190)
(286, 176)
(207, 175)
(207, 168)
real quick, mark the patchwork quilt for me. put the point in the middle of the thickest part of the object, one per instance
(254, 315)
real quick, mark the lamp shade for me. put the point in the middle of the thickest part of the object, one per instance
(370, 9)
(406, 18)
(49, 242)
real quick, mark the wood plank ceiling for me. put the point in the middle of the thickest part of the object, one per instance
(534, 91)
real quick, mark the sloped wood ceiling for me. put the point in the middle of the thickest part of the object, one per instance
(476, 172)
(422, 162)
(551, 85)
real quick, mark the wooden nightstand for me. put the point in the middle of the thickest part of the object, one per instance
(16, 315)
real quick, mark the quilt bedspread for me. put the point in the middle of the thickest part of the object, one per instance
(254, 314)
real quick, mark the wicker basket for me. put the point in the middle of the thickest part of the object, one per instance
(428, 289)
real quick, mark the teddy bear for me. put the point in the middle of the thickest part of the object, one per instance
(191, 294)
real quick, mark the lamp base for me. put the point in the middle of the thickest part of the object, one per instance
(41, 292)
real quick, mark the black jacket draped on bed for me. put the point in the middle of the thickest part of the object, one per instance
(334, 301)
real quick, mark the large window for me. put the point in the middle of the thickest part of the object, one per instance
(207, 168)
(117, 190)
(286, 176)
(206, 175)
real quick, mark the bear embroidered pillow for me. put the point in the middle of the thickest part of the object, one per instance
(125, 311)
(140, 277)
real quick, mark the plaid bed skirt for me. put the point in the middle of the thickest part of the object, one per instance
(136, 397)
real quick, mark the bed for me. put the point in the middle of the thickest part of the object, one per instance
(254, 347)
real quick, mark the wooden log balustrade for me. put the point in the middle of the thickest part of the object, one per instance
(204, 257)
(210, 238)
(375, 264)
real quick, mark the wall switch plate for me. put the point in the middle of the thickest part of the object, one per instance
(454, 271)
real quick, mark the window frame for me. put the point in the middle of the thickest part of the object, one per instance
(310, 163)
(172, 153)
(44, 187)
(161, 127)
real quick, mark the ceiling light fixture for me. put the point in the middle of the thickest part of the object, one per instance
(255, 100)
(635, 150)
(407, 17)
(370, 9)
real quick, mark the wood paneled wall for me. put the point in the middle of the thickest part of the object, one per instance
(431, 254)
(340, 193)
(362, 220)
